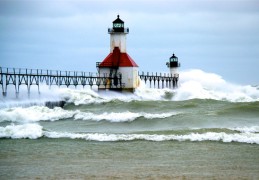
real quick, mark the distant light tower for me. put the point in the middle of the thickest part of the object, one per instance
(173, 65)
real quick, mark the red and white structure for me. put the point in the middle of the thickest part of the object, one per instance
(118, 65)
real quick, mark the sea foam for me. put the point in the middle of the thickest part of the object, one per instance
(193, 84)
(209, 136)
(34, 131)
(252, 129)
(42, 113)
(31, 131)
(34, 114)
(121, 116)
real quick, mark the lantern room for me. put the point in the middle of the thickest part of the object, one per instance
(173, 62)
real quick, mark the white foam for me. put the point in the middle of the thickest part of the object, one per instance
(42, 113)
(34, 98)
(31, 131)
(83, 96)
(252, 129)
(209, 136)
(193, 84)
(120, 116)
(34, 113)
(197, 84)
(143, 92)
(88, 96)
(34, 131)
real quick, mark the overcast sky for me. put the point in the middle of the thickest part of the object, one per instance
(217, 36)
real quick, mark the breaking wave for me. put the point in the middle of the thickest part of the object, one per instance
(200, 94)
(34, 114)
(30, 131)
(35, 131)
(42, 113)
(197, 84)
(209, 136)
(193, 84)
(121, 117)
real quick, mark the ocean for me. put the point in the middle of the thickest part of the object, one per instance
(208, 128)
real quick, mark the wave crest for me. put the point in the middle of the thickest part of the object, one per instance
(197, 84)
(34, 114)
(121, 117)
(250, 138)
(41, 113)
(31, 131)
(193, 84)
(34, 131)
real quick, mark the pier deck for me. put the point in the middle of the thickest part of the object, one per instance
(36, 77)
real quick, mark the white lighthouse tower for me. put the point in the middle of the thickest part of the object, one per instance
(173, 65)
(118, 35)
(118, 63)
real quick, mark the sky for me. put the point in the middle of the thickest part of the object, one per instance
(216, 36)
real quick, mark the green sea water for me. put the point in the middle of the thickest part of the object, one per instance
(79, 159)
(208, 133)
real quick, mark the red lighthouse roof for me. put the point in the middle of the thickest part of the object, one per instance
(118, 59)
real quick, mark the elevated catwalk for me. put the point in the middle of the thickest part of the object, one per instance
(17, 77)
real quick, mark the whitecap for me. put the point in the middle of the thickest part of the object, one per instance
(121, 116)
(209, 136)
(245, 129)
(31, 131)
(34, 131)
(34, 114)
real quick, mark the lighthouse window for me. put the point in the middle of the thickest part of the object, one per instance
(117, 25)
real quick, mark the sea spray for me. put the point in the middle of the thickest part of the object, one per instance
(23, 99)
(197, 84)
(193, 84)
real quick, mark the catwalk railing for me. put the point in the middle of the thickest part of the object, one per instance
(160, 80)
(36, 77)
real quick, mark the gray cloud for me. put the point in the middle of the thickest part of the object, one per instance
(217, 36)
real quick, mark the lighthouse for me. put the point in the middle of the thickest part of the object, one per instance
(119, 68)
(173, 65)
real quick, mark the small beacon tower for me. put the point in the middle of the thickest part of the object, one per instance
(118, 63)
(173, 65)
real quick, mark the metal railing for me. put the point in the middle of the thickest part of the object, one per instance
(160, 80)
(29, 77)
(119, 30)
